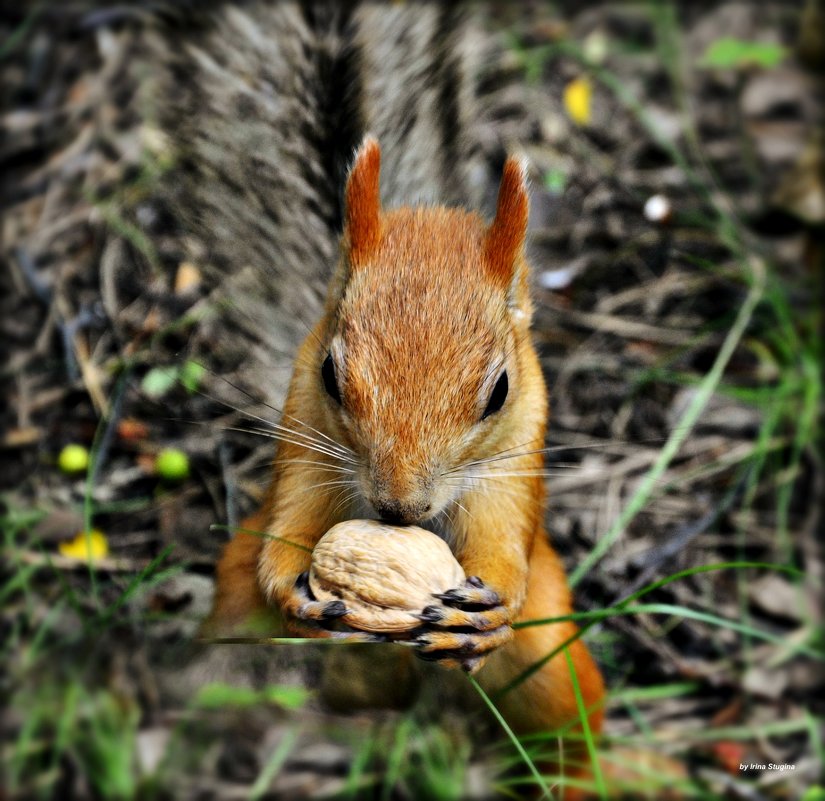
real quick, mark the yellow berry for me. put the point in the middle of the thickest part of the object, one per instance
(73, 459)
(172, 464)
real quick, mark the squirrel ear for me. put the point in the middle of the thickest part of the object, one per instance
(363, 201)
(505, 236)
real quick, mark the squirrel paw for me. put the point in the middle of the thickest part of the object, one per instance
(468, 624)
(309, 617)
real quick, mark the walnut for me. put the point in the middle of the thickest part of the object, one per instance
(384, 574)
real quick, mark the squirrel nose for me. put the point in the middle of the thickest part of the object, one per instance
(396, 513)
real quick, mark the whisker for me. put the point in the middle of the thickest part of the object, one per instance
(320, 465)
(463, 508)
(501, 454)
(341, 497)
(234, 408)
(505, 454)
(311, 332)
(280, 438)
(475, 482)
(240, 389)
(518, 492)
(523, 474)
(447, 513)
(269, 434)
(333, 444)
(336, 482)
(344, 457)
(347, 499)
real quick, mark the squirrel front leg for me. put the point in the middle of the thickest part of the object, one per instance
(493, 545)
(260, 587)
(304, 505)
(239, 608)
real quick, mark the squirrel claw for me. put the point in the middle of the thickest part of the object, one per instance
(472, 607)
(469, 664)
(465, 649)
(472, 596)
(468, 624)
(307, 610)
(335, 609)
(430, 614)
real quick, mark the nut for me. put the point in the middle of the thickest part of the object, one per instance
(384, 574)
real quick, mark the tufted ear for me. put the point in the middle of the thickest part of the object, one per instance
(505, 236)
(363, 202)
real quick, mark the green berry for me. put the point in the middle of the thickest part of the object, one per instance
(73, 459)
(172, 464)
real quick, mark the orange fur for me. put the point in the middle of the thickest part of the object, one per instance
(363, 203)
(239, 607)
(505, 237)
(419, 334)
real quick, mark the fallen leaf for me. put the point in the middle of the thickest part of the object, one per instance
(86, 546)
(730, 53)
(21, 437)
(729, 755)
(151, 746)
(576, 99)
(160, 380)
(146, 462)
(187, 279)
(765, 682)
(595, 46)
(777, 596)
(132, 430)
(802, 191)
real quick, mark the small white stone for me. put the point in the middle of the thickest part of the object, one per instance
(657, 209)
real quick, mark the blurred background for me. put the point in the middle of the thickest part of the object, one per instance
(676, 158)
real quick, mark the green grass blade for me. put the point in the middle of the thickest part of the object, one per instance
(595, 616)
(274, 764)
(684, 426)
(589, 740)
(515, 740)
(395, 759)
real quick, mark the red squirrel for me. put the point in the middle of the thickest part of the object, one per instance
(418, 398)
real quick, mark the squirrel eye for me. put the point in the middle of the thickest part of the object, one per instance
(330, 382)
(497, 396)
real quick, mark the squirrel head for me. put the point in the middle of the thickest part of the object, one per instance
(426, 362)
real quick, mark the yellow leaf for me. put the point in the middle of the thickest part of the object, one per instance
(92, 545)
(577, 100)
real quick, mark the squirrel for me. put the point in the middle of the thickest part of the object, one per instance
(419, 398)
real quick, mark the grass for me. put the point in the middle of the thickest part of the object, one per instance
(528, 762)
(68, 715)
(706, 388)
(62, 716)
(791, 403)
(426, 761)
(274, 764)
